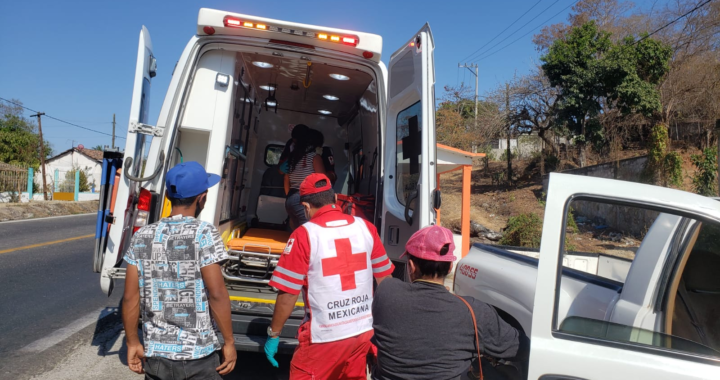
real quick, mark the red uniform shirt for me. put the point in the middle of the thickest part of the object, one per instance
(291, 273)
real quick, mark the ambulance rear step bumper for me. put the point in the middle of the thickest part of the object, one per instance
(253, 343)
(250, 332)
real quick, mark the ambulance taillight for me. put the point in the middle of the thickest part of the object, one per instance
(143, 207)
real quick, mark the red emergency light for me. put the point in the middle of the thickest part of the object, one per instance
(234, 22)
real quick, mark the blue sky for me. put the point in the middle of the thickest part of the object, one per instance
(75, 60)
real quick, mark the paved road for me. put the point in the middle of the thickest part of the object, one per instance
(55, 323)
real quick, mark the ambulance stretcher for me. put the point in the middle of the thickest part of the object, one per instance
(254, 256)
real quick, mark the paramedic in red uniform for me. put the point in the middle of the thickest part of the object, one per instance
(332, 259)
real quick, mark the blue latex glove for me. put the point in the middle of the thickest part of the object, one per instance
(285, 167)
(271, 348)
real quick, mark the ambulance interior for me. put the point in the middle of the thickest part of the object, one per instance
(238, 116)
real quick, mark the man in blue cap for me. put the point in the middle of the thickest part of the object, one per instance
(174, 282)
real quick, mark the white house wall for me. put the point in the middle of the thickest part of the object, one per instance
(67, 163)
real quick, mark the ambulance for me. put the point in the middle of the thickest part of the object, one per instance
(239, 87)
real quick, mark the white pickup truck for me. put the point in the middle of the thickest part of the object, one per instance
(661, 322)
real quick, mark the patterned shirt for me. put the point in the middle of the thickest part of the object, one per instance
(177, 323)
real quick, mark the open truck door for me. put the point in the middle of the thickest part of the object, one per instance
(573, 347)
(410, 148)
(123, 216)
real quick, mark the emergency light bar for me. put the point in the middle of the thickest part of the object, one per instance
(234, 22)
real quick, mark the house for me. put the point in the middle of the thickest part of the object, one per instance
(57, 168)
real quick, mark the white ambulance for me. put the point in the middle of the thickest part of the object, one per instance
(240, 85)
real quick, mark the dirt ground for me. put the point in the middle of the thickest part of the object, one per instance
(17, 211)
(492, 204)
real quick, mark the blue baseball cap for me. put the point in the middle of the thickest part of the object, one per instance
(189, 179)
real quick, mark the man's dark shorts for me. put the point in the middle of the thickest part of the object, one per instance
(162, 368)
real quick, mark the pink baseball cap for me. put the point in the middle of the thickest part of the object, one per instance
(427, 243)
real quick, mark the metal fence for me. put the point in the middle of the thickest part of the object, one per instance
(64, 181)
(13, 178)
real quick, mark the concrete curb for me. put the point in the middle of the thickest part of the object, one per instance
(46, 218)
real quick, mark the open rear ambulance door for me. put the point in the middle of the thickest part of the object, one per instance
(123, 215)
(410, 148)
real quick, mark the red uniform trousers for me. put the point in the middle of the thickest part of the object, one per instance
(344, 359)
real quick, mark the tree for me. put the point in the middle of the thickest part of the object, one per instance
(534, 107)
(98, 147)
(19, 143)
(608, 15)
(594, 75)
(574, 66)
(455, 120)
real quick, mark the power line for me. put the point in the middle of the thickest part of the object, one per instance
(474, 56)
(521, 37)
(676, 20)
(503, 31)
(60, 120)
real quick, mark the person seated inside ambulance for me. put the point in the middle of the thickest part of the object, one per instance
(301, 162)
(318, 139)
(298, 131)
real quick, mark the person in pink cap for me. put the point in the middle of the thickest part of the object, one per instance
(422, 331)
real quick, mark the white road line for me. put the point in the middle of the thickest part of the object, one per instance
(46, 218)
(63, 333)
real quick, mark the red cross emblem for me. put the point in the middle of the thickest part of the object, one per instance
(345, 264)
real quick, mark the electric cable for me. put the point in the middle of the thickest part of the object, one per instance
(62, 121)
(503, 31)
(676, 20)
(480, 58)
(473, 56)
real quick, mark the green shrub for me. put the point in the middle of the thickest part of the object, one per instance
(704, 180)
(571, 221)
(552, 162)
(661, 166)
(524, 230)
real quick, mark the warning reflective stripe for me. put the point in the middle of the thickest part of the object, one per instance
(289, 273)
(286, 283)
(382, 268)
(379, 259)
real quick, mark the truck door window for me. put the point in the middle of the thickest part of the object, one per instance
(601, 242)
(409, 144)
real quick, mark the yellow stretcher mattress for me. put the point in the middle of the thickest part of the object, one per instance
(258, 240)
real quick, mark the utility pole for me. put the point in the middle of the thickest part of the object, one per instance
(469, 67)
(42, 154)
(509, 152)
(113, 138)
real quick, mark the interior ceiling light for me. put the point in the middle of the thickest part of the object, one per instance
(330, 97)
(267, 88)
(325, 112)
(339, 76)
(262, 65)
